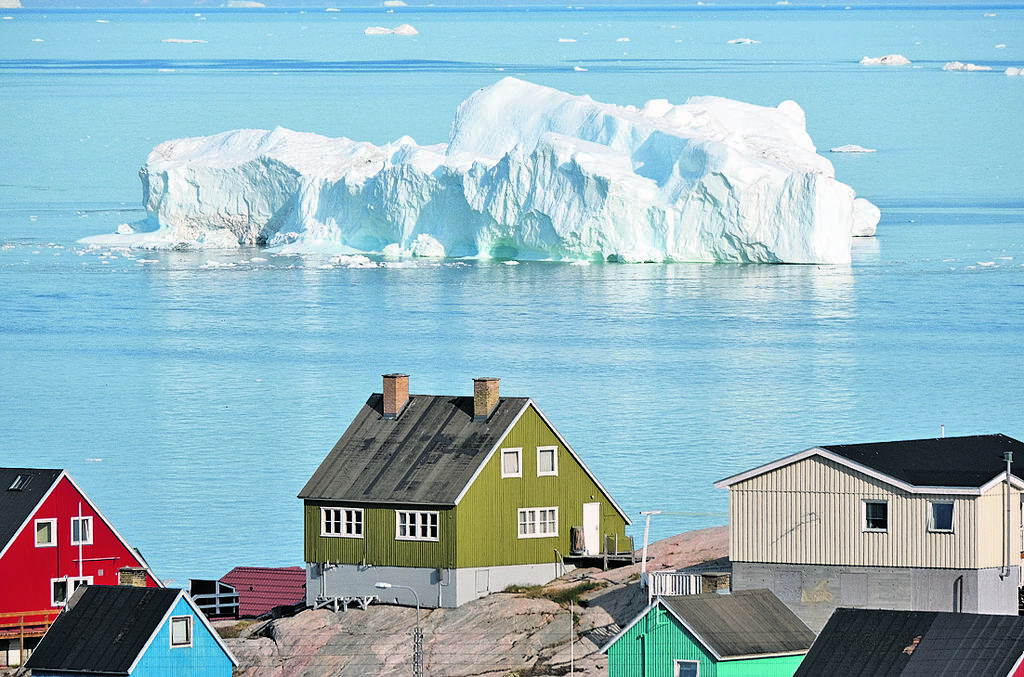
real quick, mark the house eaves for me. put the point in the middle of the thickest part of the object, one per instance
(728, 482)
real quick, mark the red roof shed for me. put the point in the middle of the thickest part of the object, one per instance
(261, 589)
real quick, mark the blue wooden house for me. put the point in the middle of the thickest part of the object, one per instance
(140, 632)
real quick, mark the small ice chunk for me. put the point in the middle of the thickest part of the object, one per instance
(567, 39)
(621, 39)
(960, 66)
(865, 218)
(183, 41)
(744, 41)
(394, 3)
(404, 29)
(1014, 71)
(427, 247)
(579, 69)
(851, 148)
(125, 229)
(887, 60)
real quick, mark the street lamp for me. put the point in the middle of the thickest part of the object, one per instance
(417, 637)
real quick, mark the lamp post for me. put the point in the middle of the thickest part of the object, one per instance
(417, 637)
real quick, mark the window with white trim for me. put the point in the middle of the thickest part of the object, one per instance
(341, 522)
(876, 515)
(940, 516)
(686, 669)
(81, 531)
(181, 631)
(62, 588)
(512, 462)
(46, 533)
(415, 525)
(547, 461)
(538, 522)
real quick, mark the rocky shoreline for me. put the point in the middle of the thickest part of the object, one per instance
(525, 633)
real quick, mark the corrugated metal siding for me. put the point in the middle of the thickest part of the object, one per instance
(991, 527)
(810, 512)
(379, 547)
(780, 666)
(488, 513)
(652, 645)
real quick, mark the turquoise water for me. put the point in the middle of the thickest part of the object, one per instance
(192, 394)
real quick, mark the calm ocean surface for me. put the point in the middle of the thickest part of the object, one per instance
(192, 394)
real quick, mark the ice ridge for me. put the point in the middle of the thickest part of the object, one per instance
(529, 172)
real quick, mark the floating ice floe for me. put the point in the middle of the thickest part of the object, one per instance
(960, 66)
(404, 29)
(744, 41)
(183, 41)
(245, 4)
(887, 60)
(394, 3)
(567, 39)
(851, 148)
(528, 172)
(1014, 71)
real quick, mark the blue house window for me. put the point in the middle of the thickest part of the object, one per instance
(686, 669)
(181, 631)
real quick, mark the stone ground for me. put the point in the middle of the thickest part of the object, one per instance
(502, 635)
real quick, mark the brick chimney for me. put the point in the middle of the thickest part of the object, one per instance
(132, 576)
(485, 397)
(396, 394)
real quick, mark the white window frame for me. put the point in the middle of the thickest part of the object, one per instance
(529, 522)
(518, 451)
(71, 583)
(864, 515)
(931, 517)
(676, 664)
(350, 522)
(76, 522)
(53, 533)
(189, 625)
(554, 462)
(417, 525)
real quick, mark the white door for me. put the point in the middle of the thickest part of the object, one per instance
(592, 528)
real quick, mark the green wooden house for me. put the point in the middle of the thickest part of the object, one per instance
(749, 633)
(454, 497)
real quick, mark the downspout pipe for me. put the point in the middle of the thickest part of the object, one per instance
(1008, 457)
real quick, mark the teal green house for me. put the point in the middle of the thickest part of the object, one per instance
(448, 498)
(748, 633)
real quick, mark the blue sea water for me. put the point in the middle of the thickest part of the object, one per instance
(191, 394)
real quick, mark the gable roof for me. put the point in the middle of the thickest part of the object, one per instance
(886, 643)
(969, 464)
(18, 505)
(107, 628)
(425, 456)
(262, 589)
(744, 624)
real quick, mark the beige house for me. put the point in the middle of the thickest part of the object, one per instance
(928, 525)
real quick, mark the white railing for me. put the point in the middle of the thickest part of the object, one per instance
(672, 583)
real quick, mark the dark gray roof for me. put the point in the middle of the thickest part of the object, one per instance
(427, 456)
(103, 629)
(940, 462)
(886, 643)
(744, 623)
(17, 505)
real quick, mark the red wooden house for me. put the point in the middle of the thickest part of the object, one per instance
(53, 539)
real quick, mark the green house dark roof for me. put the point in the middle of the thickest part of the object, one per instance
(744, 623)
(971, 461)
(18, 500)
(103, 629)
(885, 643)
(426, 456)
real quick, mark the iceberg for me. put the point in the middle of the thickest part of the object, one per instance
(887, 60)
(528, 172)
(961, 66)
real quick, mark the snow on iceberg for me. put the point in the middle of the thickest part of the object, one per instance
(529, 172)
(961, 66)
(887, 60)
